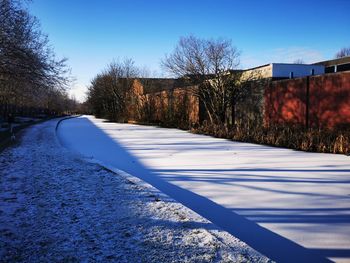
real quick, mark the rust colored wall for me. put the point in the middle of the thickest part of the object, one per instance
(329, 101)
(161, 105)
(285, 101)
(185, 102)
(134, 101)
(175, 106)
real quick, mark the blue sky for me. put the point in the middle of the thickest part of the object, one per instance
(91, 33)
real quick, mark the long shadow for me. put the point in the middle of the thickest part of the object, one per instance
(248, 178)
(263, 218)
(274, 246)
(238, 179)
(257, 170)
(296, 215)
(336, 253)
(229, 174)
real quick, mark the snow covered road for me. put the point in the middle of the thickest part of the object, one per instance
(56, 207)
(291, 206)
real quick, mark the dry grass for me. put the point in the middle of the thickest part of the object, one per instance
(312, 140)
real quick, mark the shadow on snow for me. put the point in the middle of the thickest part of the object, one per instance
(275, 246)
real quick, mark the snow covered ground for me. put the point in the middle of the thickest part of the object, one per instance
(291, 206)
(56, 207)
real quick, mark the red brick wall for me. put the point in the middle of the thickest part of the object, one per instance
(285, 101)
(329, 101)
(184, 98)
(176, 105)
(134, 101)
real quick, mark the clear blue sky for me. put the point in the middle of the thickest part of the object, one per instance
(91, 33)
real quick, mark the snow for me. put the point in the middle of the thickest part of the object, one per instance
(57, 207)
(289, 205)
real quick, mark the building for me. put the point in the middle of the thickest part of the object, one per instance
(279, 94)
(335, 65)
(284, 71)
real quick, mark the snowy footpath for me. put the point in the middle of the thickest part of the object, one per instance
(290, 206)
(57, 207)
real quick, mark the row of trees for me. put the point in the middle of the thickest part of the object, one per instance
(32, 78)
(209, 67)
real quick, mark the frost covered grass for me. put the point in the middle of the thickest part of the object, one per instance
(56, 207)
(324, 140)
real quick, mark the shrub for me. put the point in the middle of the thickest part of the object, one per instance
(294, 137)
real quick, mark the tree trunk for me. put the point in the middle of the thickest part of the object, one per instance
(233, 113)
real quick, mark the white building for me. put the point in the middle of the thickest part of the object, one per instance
(285, 70)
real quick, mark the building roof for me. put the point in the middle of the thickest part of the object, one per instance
(262, 66)
(269, 64)
(333, 62)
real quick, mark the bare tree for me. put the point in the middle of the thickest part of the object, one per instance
(107, 93)
(29, 69)
(299, 61)
(212, 65)
(344, 52)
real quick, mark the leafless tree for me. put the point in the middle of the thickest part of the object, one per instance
(212, 65)
(344, 52)
(29, 69)
(108, 91)
(299, 61)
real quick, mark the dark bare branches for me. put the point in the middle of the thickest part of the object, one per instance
(29, 69)
(344, 52)
(108, 90)
(212, 65)
(299, 61)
